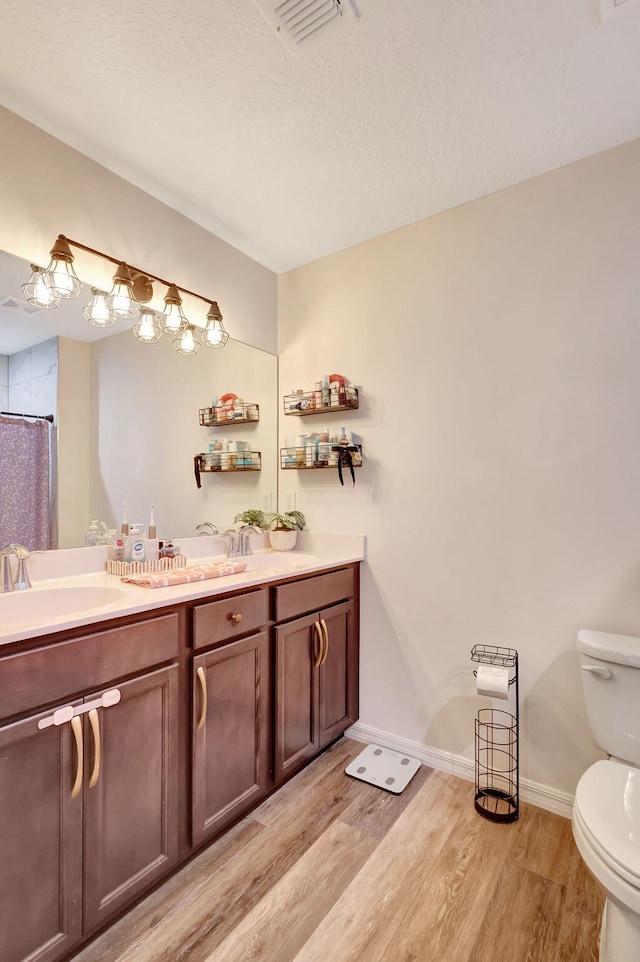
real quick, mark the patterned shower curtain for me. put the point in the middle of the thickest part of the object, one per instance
(25, 485)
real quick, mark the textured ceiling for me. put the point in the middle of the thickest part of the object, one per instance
(418, 107)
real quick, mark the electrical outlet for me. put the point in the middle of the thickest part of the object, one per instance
(290, 501)
(267, 501)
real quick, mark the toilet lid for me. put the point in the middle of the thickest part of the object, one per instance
(608, 802)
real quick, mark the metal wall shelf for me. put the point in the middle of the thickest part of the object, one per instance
(306, 403)
(212, 417)
(295, 459)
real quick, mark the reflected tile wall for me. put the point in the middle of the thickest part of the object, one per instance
(33, 379)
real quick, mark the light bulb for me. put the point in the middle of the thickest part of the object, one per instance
(214, 334)
(60, 276)
(97, 310)
(120, 300)
(36, 291)
(186, 342)
(148, 329)
(173, 319)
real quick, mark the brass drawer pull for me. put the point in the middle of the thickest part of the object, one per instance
(236, 619)
(317, 655)
(326, 640)
(76, 726)
(202, 678)
(94, 721)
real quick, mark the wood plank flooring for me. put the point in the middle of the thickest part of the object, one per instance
(331, 869)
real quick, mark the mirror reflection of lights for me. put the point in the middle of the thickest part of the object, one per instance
(132, 288)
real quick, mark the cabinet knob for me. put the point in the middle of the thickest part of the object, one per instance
(236, 619)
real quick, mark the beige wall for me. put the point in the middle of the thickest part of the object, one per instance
(498, 351)
(46, 189)
(74, 441)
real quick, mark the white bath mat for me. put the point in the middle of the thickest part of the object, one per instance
(384, 768)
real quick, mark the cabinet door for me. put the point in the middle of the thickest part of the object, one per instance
(297, 652)
(231, 699)
(130, 823)
(40, 841)
(338, 674)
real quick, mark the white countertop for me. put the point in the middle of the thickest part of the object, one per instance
(80, 567)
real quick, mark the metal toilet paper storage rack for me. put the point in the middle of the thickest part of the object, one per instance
(497, 776)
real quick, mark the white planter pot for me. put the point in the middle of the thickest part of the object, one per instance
(281, 540)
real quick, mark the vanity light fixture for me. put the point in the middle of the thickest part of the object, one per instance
(121, 301)
(186, 343)
(173, 318)
(60, 275)
(214, 334)
(97, 312)
(36, 291)
(132, 288)
(148, 327)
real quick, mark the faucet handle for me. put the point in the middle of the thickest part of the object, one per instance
(7, 577)
(22, 576)
(233, 546)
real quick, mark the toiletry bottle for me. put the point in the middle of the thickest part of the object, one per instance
(326, 394)
(168, 550)
(118, 548)
(310, 451)
(92, 535)
(137, 547)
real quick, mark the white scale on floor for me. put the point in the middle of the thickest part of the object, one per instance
(384, 768)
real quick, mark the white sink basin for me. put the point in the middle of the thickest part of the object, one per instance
(279, 560)
(33, 604)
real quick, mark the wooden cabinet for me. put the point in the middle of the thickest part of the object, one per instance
(231, 701)
(197, 711)
(88, 815)
(130, 814)
(40, 841)
(316, 689)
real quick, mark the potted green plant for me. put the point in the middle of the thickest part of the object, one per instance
(283, 529)
(252, 516)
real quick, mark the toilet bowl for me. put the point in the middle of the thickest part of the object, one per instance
(606, 809)
(606, 829)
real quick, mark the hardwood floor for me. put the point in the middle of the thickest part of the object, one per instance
(331, 869)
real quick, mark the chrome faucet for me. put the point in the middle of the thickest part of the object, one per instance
(200, 528)
(234, 544)
(21, 580)
(239, 545)
(244, 537)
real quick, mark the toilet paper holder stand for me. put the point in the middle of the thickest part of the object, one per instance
(497, 773)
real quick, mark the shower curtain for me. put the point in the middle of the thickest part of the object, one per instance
(25, 483)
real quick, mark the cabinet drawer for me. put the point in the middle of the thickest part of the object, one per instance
(221, 620)
(312, 593)
(57, 671)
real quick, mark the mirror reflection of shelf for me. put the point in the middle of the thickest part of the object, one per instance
(303, 403)
(300, 459)
(240, 412)
(217, 462)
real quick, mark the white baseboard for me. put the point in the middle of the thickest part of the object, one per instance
(551, 799)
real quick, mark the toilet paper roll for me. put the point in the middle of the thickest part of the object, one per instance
(492, 681)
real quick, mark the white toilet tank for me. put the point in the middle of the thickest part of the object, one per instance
(610, 668)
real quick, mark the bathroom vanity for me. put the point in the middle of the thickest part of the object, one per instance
(131, 739)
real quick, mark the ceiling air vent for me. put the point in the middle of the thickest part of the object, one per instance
(612, 8)
(19, 307)
(297, 21)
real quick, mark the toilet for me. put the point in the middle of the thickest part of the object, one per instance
(606, 809)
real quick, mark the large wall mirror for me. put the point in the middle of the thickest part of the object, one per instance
(126, 424)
